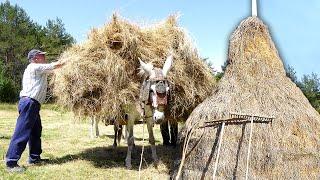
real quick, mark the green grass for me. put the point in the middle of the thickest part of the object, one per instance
(74, 155)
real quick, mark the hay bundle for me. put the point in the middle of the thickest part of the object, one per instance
(101, 75)
(255, 83)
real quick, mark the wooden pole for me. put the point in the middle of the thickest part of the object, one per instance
(218, 153)
(254, 8)
(248, 156)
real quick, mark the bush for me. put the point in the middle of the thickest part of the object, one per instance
(8, 92)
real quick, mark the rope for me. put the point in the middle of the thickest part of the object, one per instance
(248, 156)
(218, 153)
(142, 150)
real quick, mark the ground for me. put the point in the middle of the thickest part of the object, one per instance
(73, 154)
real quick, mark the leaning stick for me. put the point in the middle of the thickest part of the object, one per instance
(218, 153)
(184, 151)
(248, 156)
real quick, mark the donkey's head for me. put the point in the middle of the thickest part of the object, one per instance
(159, 87)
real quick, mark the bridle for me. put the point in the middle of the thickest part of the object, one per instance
(155, 91)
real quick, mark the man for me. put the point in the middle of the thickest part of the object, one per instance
(28, 127)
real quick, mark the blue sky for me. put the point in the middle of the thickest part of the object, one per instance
(294, 24)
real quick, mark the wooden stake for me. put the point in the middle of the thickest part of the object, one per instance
(248, 156)
(218, 153)
(254, 8)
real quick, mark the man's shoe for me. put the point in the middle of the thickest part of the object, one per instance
(15, 169)
(37, 161)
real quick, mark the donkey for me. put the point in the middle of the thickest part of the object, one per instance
(152, 106)
(153, 102)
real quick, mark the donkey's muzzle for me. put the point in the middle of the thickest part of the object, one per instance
(161, 87)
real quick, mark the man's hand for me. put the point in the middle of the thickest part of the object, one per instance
(58, 64)
(170, 53)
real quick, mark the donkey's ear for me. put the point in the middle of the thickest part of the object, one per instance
(167, 65)
(147, 68)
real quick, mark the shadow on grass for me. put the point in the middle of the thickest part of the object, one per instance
(122, 140)
(5, 137)
(109, 157)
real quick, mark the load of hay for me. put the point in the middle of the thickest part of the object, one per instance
(101, 75)
(254, 83)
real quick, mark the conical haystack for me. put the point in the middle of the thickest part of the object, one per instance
(254, 83)
(101, 75)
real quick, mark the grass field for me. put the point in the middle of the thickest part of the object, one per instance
(73, 154)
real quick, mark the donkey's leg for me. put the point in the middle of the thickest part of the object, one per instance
(152, 140)
(119, 133)
(96, 126)
(92, 127)
(130, 142)
(126, 135)
(115, 128)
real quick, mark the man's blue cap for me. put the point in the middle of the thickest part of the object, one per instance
(33, 53)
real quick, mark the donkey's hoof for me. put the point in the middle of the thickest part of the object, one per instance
(128, 166)
(114, 146)
(156, 163)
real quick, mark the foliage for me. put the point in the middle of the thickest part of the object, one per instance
(309, 85)
(18, 35)
(7, 88)
(291, 73)
(219, 75)
(56, 40)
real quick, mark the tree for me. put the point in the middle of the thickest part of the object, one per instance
(219, 75)
(291, 73)
(310, 86)
(19, 34)
(8, 91)
(16, 38)
(56, 39)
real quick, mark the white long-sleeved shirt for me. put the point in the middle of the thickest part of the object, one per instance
(34, 82)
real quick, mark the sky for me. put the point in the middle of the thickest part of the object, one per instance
(294, 24)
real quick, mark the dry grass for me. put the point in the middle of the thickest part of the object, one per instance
(255, 83)
(73, 155)
(101, 75)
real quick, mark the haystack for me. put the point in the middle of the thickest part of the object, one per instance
(101, 75)
(254, 83)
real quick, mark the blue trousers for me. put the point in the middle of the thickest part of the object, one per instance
(28, 130)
